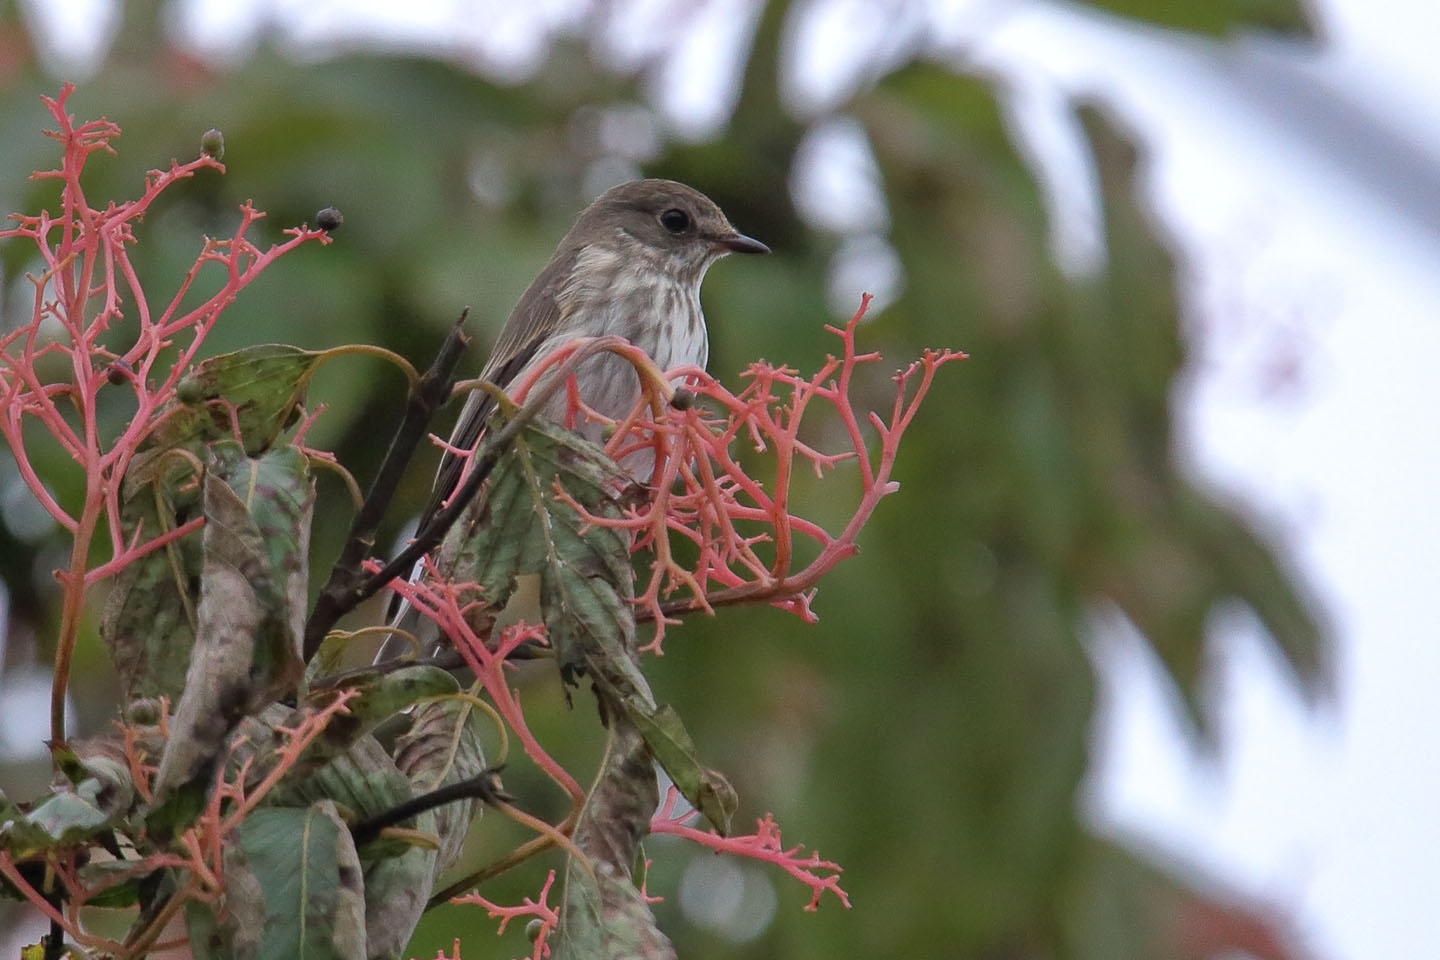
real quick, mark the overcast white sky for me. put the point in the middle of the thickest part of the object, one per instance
(1314, 315)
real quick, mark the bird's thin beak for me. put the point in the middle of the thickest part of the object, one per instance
(739, 243)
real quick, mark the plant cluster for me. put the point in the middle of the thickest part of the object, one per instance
(244, 787)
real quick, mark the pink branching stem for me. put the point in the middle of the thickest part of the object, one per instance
(447, 605)
(135, 550)
(764, 844)
(537, 908)
(703, 494)
(744, 529)
(87, 281)
(9, 869)
(199, 850)
(297, 739)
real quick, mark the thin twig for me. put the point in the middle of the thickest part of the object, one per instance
(485, 785)
(482, 465)
(339, 595)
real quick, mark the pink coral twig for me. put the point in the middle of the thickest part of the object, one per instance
(704, 494)
(539, 909)
(764, 844)
(88, 279)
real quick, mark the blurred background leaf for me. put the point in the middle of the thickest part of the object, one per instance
(931, 733)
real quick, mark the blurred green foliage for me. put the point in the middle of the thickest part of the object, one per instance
(930, 733)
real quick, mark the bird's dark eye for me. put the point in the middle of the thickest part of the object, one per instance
(676, 221)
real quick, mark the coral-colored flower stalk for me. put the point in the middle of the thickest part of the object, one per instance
(88, 282)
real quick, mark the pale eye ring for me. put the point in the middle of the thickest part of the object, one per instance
(675, 220)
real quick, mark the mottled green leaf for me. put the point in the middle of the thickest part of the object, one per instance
(263, 384)
(252, 601)
(602, 914)
(381, 695)
(397, 888)
(96, 796)
(117, 881)
(149, 619)
(445, 745)
(670, 744)
(67, 816)
(293, 888)
(442, 746)
(518, 526)
(363, 782)
(256, 741)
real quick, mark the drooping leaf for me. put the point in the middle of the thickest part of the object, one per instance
(149, 619)
(445, 745)
(671, 746)
(518, 526)
(397, 888)
(602, 914)
(97, 794)
(257, 741)
(363, 781)
(586, 584)
(381, 695)
(67, 816)
(252, 601)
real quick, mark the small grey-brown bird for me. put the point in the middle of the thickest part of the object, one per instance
(631, 266)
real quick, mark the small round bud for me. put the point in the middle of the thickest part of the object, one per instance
(212, 144)
(532, 929)
(189, 392)
(118, 372)
(144, 712)
(329, 219)
(683, 399)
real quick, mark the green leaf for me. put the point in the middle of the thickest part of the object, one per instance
(293, 888)
(252, 601)
(397, 888)
(1216, 16)
(607, 919)
(670, 744)
(116, 881)
(602, 914)
(344, 740)
(68, 816)
(98, 795)
(518, 526)
(149, 620)
(265, 384)
(363, 781)
(381, 695)
(445, 745)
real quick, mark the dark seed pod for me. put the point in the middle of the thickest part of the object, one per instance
(683, 399)
(212, 144)
(329, 219)
(118, 372)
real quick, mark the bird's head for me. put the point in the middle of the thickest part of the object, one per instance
(675, 226)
